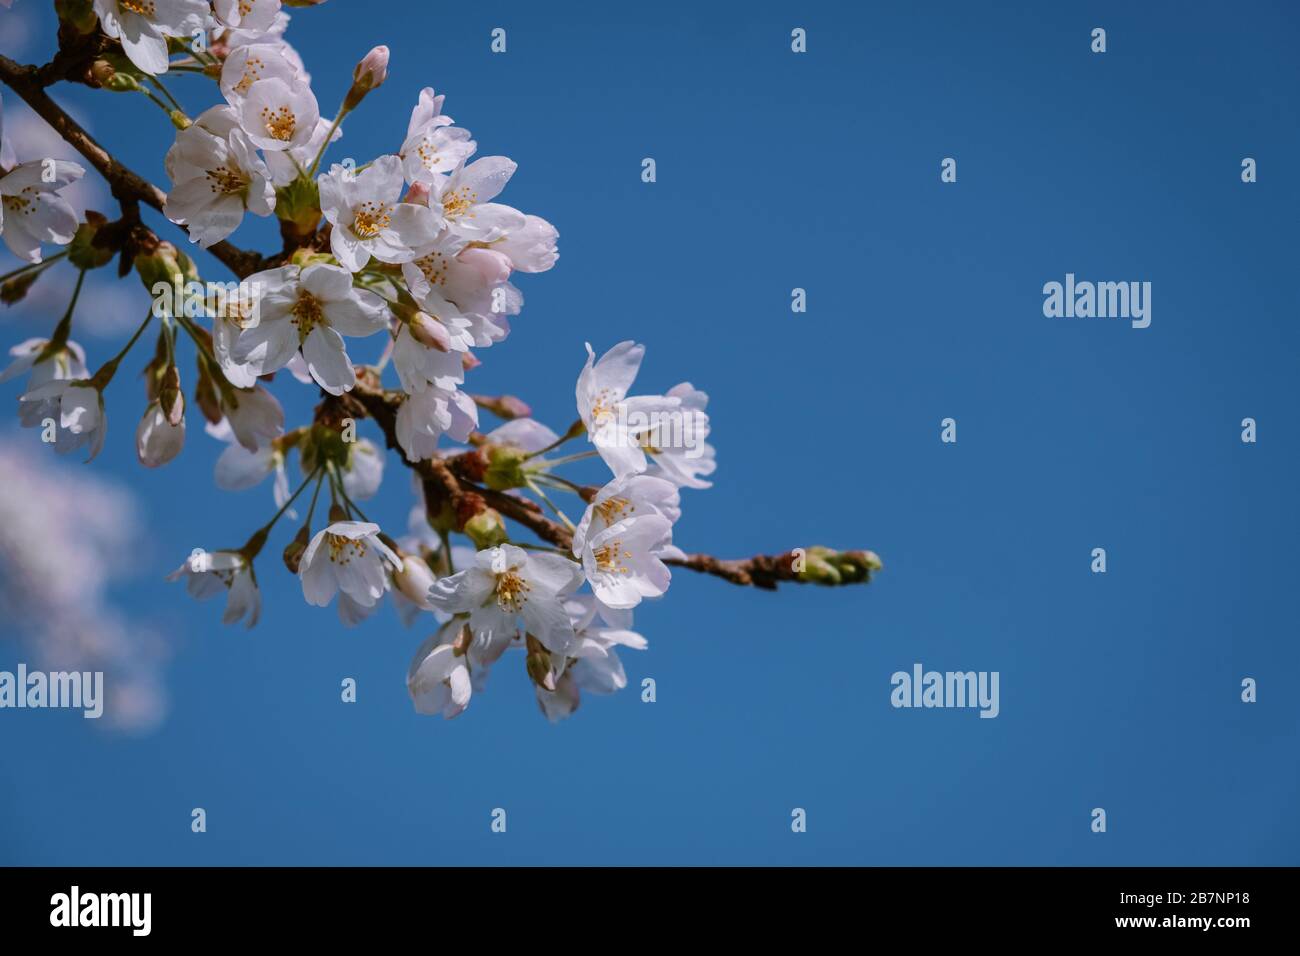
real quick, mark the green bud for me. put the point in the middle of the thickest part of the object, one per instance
(299, 205)
(122, 83)
(505, 467)
(82, 251)
(486, 529)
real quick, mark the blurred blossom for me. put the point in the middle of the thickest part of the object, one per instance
(63, 535)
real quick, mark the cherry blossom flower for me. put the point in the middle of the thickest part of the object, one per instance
(474, 279)
(77, 408)
(254, 415)
(46, 365)
(463, 201)
(209, 574)
(252, 15)
(507, 584)
(368, 218)
(286, 165)
(157, 440)
(238, 468)
(347, 556)
(677, 447)
(432, 147)
(610, 416)
(310, 309)
(216, 175)
(623, 537)
(439, 680)
(278, 115)
(425, 416)
(530, 248)
(144, 25)
(245, 65)
(593, 665)
(31, 209)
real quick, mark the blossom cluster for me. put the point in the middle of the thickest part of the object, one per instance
(412, 248)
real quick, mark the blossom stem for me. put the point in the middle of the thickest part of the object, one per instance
(567, 459)
(576, 429)
(311, 510)
(33, 266)
(533, 486)
(557, 482)
(446, 550)
(109, 368)
(351, 505)
(166, 92)
(266, 529)
(315, 163)
(64, 328)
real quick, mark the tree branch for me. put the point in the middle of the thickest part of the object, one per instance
(127, 185)
(451, 481)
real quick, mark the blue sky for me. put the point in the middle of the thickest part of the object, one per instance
(776, 171)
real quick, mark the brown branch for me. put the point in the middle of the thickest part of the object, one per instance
(127, 185)
(451, 480)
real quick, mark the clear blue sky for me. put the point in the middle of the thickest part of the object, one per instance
(820, 171)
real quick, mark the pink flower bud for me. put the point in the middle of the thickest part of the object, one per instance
(373, 68)
(427, 330)
(418, 194)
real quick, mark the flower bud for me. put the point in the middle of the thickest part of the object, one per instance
(369, 75)
(101, 71)
(170, 397)
(418, 194)
(82, 251)
(504, 406)
(413, 580)
(293, 551)
(15, 289)
(427, 330)
(122, 83)
(486, 529)
(505, 467)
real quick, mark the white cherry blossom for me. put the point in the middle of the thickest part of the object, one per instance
(31, 210)
(507, 584)
(310, 309)
(209, 574)
(216, 175)
(432, 147)
(77, 408)
(278, 115)
(347, 556)
(425, 416)
(368, 217)
(157, 440)
(610, 415)
(144, 25)
(254, 415)
(256, 16)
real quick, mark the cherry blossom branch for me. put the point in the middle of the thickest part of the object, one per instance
(446, 481)
(128, 186)
(456, 481)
